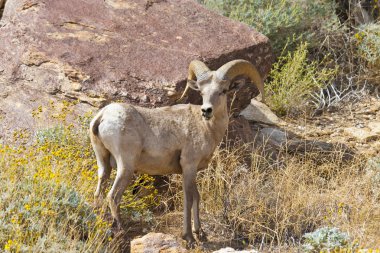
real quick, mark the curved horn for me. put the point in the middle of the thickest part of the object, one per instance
(197, 70)
(235, 68)
(184, 92)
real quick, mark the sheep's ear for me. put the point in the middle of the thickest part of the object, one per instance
(192, 84)
(236, 84)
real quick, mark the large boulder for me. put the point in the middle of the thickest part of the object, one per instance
(97, 51)
(260, 112)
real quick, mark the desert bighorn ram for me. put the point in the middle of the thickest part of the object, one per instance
(167, 140)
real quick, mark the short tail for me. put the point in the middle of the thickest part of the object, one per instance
(94, 126)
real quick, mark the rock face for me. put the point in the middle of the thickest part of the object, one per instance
(102, 50)
(156, 243)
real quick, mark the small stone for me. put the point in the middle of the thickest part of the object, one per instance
(171, 93)
(124, 94)
(375, 127)
(156, 243)
(231, 250)
(135, 97)
(145, 99)
(53, 90)
(76, 86)
(332, 109)
(361, 134)
(360, 125)
(367, 116)
(4, 94)
(373, 109)
(301, 128)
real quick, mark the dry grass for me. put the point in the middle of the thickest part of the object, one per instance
(272, 205)
(47, 188)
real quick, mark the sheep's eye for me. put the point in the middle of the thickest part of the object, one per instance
(223, 92)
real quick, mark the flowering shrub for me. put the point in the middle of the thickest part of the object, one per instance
(47, 186)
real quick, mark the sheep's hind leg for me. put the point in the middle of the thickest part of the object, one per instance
(104, 171)
(123, 178)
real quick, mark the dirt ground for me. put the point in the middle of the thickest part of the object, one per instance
(356, 124)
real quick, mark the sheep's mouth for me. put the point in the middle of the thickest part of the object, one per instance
(207, 116)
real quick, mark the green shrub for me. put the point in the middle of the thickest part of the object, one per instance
(293, 78)
(326, 240)
(283, 21)
(368, 40)
(368, 48)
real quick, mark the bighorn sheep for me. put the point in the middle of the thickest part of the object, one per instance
(167, 140)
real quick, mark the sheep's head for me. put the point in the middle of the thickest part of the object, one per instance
(214, 85)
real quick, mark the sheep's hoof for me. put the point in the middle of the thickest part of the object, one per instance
(100, 206)
(190, 241)
(98, 203)
(114, 232)
(117, 227)
(201, 235)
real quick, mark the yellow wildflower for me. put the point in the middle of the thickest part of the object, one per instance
(27, 207)
(8, 245)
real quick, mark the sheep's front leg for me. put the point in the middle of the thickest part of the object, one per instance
(197, 222)
(189, 186)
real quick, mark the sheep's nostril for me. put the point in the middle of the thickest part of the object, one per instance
(207, 110)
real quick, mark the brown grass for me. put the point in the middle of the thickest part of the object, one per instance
(271, 205)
